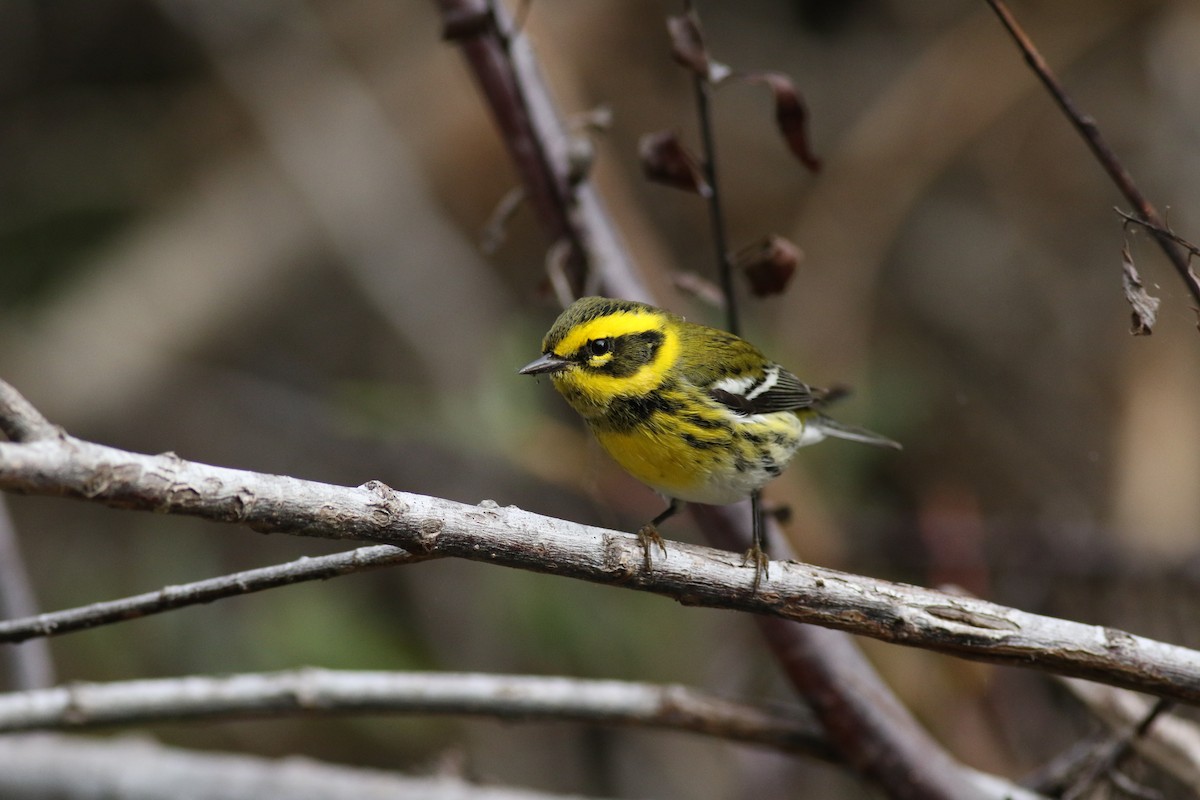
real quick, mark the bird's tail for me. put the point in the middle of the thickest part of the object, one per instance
(831, 427)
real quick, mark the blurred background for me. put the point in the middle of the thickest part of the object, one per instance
(248, 233)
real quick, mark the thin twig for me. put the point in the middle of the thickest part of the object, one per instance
(1087, 128)
(1192, 249)
(1172, 744)
(503, 697)
(1109, 758)
(305, 569)
(716, 215)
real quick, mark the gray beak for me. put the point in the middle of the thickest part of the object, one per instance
(547, 363)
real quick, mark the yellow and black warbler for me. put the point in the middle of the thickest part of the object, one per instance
(696, 413)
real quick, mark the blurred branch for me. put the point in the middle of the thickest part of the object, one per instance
(364, 191)
(539, 142)
(503, 697)
(870, 727)
(1106, 760)
(171, 597)
(1173, 743)
(70, 768)
(898, 613)
(1100, 148)
(31, 665)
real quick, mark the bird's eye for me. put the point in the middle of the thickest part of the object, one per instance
(598, 347)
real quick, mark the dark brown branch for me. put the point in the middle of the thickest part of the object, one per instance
(504, 697)
(539, 143)
(1087, 128)
(171, 597)
(864, 720)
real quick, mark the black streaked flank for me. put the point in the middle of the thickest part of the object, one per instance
(625, 413)
(701, 444)
(700, 421)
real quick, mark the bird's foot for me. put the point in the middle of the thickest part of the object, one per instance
(757, 557)
(649, 538)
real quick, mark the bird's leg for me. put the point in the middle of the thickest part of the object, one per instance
(757, 554)
(648, 535)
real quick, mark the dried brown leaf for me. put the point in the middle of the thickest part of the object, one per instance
(1145, 307)
(791, 114)
(769, 264)
(665, 160)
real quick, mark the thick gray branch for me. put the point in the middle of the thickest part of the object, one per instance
(320, 691)
(966, 627)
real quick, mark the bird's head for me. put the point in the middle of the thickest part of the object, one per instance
(601, 349)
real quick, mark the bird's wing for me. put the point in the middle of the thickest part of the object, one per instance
(768, 390)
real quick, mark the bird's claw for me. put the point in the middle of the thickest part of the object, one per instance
(649, 537)
(758, 557)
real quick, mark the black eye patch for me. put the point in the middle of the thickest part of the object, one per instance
(630, 352)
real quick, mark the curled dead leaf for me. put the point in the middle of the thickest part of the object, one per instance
(791, 114)
(665, 160)
(769, 264)
(1144, 306)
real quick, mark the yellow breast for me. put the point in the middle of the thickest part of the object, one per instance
(662, 461)
(703, 464)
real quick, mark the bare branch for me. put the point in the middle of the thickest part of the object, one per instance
(1173, 743)
(69, 768)
(505, 697)
(1087, 128)
(171, 597)
(539, 143)
(898, 613)
(870, 727)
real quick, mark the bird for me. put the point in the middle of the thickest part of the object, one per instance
(696, 413)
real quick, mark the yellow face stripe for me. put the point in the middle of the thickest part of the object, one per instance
(610, 327)
(604, 387)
